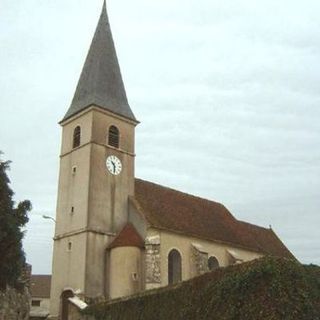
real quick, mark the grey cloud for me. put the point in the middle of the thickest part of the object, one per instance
(226, 92)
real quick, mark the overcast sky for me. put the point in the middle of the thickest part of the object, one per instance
(227, 93)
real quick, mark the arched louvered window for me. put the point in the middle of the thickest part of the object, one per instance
(76, 137)
(213, 263)
(174, 266)
(113, 137)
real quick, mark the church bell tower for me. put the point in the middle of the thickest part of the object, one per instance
(96, 174)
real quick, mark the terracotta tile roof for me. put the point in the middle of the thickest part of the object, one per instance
(266, 240)
(128, 237)
(40, 286)
(179, 212)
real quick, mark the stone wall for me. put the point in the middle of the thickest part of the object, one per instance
(14, 304)
(199, 260)
(75, 314)
(152, 262)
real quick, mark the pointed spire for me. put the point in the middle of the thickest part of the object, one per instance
(104, 8)
(100, 82)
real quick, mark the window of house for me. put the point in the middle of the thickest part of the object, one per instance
(35, 303)
(213, 263)
(69, 246)
(113, 137)
(76, 137)
(174, 266)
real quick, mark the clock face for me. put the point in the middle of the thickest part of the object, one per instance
(114, 165)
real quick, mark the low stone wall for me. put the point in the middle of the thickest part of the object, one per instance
(75, 314)
(14, 304)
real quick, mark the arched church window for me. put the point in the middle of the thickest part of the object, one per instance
(76, 137)
(174, 266)
(113, 137)
(213, 263)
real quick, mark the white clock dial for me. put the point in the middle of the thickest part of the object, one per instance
(114, 165)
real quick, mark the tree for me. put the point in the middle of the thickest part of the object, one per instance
(12, 219)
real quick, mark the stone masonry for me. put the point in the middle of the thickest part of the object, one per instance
(14, 304)
(199, 260)
(153, 273)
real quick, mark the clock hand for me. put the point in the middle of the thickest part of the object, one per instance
(114, 167)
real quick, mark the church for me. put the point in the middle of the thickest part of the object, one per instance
(117, 235)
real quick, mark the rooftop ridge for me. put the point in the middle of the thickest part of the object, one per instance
(254, 225)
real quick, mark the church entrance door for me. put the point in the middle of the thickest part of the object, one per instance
(65, 304)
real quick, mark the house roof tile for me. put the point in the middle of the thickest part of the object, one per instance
(40, 286)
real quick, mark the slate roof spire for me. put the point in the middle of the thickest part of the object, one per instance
(100, 82)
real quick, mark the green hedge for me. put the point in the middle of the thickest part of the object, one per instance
(268, 289)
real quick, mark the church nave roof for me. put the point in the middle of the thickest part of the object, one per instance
(175, 211)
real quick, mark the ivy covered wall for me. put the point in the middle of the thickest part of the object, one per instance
(269, 289)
